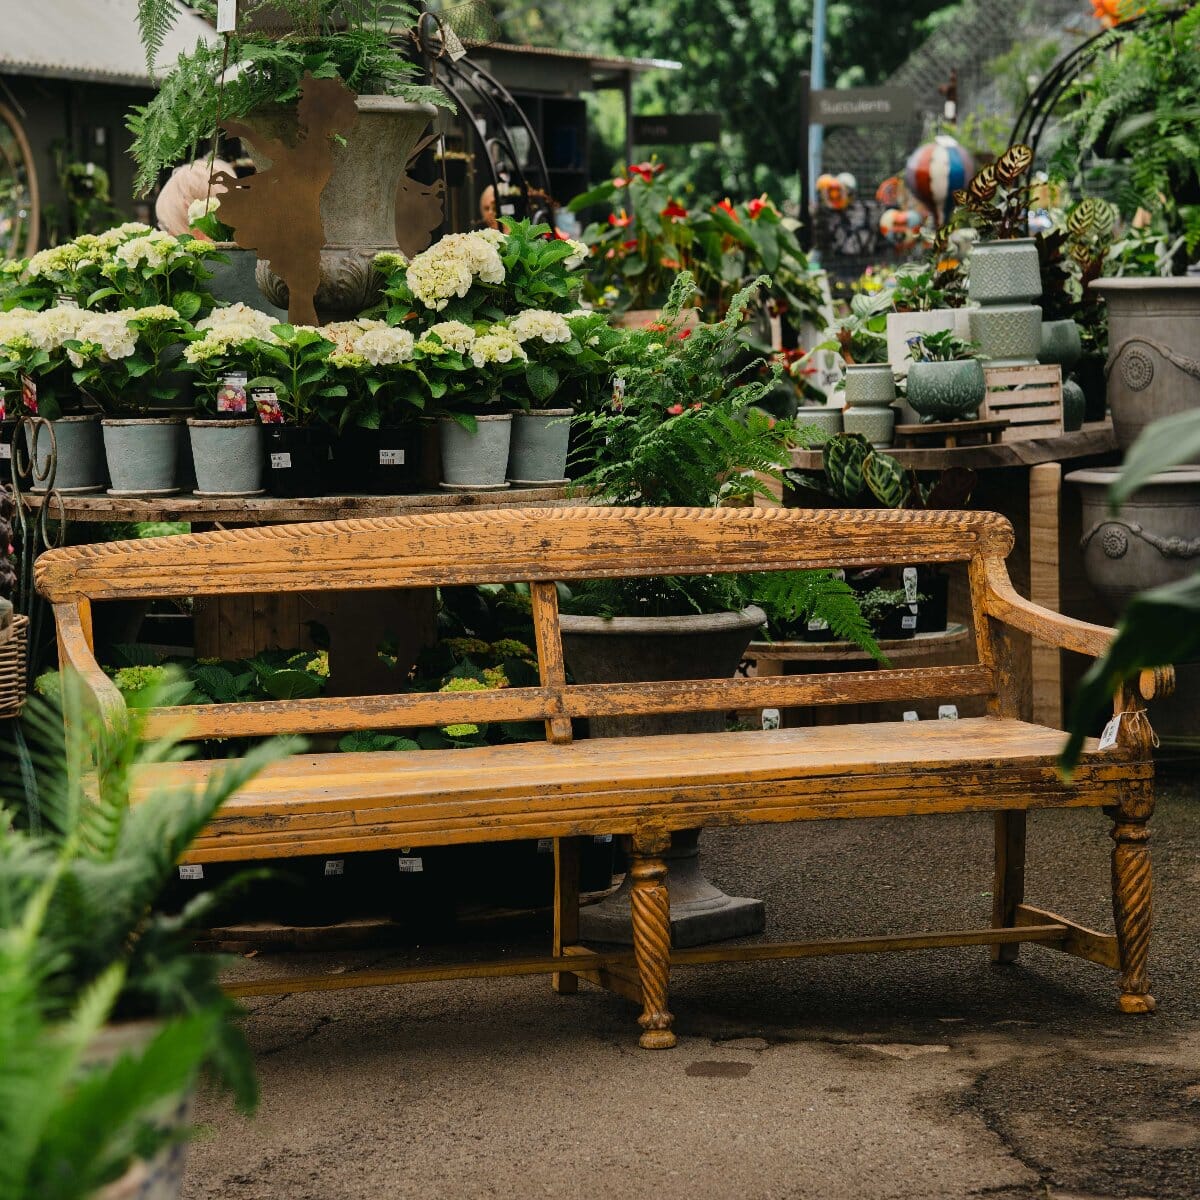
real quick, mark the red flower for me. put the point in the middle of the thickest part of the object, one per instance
(727, 207)
(674, 211)
(657, 327)
(758, 205)
(698, 404)
(675, 410)
(683, 336)
(619, 220)
(645, 171)
(629, 245)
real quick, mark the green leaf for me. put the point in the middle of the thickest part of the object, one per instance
(1163, 444)
(597, 195)
(543, 380)
(290, 685)
(187, 304)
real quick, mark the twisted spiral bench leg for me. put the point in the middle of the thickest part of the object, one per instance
(1133, 896)
(652, 940)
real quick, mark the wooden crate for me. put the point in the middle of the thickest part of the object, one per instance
(1029, 398)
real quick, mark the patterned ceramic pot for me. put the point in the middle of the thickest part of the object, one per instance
(1004, 272)
(869, 383)
(1153, 350)
(946, 391)
(1009, 335)
(877, 423)
(1060, 343)
(823, 418)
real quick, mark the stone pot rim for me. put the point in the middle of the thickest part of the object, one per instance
(945, 362)
(142, 421)
(1106, 475)
(750, 617)
(1018, 241)
(71, 417)
(543, 412)
(378, 103)
(480, 417)
(216, 422)
(1170, 283)
(881, 366)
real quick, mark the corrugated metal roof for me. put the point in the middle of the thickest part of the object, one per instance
(93, 40)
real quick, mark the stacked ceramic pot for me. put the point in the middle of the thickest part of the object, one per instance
(870, 394)
(1153, 371)
(1004, 279)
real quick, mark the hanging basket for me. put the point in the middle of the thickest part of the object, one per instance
(14, 659)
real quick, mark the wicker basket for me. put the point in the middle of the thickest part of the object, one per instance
(14, 659)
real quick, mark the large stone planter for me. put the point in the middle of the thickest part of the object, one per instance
(79, 449)
(143, 455)
(1153, 364)
(538, 451)
(1004, 272)
(634, 649)
(358, 205)
(946, 391)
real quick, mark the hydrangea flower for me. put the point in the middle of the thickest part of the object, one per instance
(239, 318)
(498, 345)
(579, 254)
(538, 323)
(452, 265)
(385, 347)
(454, 335)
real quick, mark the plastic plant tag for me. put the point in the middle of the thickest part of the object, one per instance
(771, 718)
(391, 458)
(411, 866)
(335, 866)
(281, 460)
(29, 395)
(191, 871)
(910, 585)
(231, 395)
(266, 404)
(545, 846)
(226, 16)
(1108, 739)
(3, 406)
(912, 715)
(618, 393)
(947, 712)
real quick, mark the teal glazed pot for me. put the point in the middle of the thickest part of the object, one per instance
(1061, 344)
(1004, 272)
(946, 391)
(1009, 335)
(869, 383)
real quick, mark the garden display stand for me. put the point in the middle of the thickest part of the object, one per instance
(952, 434)
(644, 788)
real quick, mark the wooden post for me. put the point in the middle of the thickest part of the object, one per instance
(1045, 490)
(566, 909)
(1008, 887)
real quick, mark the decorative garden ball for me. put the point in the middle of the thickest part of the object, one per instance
(900, 226)
(832, 193)
(935, 171)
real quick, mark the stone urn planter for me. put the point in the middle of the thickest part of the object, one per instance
(235, 280)
(538, 450)
(870, 393)
(358, 205)
(476, 460)
(638, 649)
(946, 391)
(143, 455)
(227, 456)
(78, 446)
(1061, 344)
(1153, 363)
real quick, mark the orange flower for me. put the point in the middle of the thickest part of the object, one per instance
(676, 410)
(670, 264)
(619, 220)
(727, 207)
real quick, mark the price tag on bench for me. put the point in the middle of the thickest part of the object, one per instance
(908, 621)
(1108, 739)
(411, 866)
(5, 449)
(281, 461)
(602, 839)
(391, 458)
(947, 712)
(335, 866)
(191, 871)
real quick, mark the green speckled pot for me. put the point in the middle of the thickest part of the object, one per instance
(1004, 272)
(946, 391)
(1061, 343)
(1074, 406)
(824, 418)
(869, 383)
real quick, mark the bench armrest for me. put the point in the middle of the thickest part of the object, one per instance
(75, 655)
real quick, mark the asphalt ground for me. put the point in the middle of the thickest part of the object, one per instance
(927, 1075)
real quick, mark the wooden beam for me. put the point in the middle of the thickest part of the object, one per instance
(1079, 940)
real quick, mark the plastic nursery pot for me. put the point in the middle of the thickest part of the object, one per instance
(476, 460)
(8, 430)
(946, 391)
(227, 456)
(900, 623)
(79, 464)
(933, 615)
(537, 455)
(381, 462)
(297, 461)
(1089, 374)
(143, 455)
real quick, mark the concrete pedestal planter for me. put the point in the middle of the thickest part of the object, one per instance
(629, 649)
(1061, 344)
(228, 456)
(143, 455)
(79, 448)
(538, 451)
(476, 460)
(870, 392)
(1153, 364)
(946, 391)
(1009, 335)
(1004, 272)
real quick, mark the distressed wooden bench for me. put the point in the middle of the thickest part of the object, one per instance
(643, 788)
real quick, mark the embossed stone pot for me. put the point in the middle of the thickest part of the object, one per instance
(1154, 539)
(227, 455)
(538, 451)
(358, 205)
(143, 455)
(870, 392)
(1009, 335)
(79, 466)
(1004, 272)
(636, 649)
(1061, 343)
(946, 391)
(476, 460)
(1153, 350)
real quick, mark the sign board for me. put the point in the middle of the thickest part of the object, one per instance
(676, 129)
(863, 106)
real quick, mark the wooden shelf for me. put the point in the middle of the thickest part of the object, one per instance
(1093, 439)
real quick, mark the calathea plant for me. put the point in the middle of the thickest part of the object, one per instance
(996, 201)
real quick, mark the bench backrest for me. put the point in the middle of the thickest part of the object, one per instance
(539, 547)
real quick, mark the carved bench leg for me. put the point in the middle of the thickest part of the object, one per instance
(652, 938)
(1008, 886)
(1133, 894)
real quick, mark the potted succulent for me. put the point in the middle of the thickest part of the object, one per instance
(945, 380)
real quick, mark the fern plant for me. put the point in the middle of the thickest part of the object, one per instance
(277, 43)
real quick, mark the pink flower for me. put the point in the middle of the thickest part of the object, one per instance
(675, 410)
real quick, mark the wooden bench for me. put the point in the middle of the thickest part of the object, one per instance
(644, 788)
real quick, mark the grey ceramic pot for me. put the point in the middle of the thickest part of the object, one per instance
(1153, 350)
(877, 423)
(233, 281)
(79, 465)
(538, 451)
(1153, 539)
(635, 649)
(228, 456)
(869, 383)
(1009, 335)
(823, 418)
(1004, 272)
(143, 455)
(946, 391)
(476, 460)
(1061, 343)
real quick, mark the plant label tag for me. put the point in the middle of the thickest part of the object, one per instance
(818, 625)
(5, 448)
(64, 299)
(29, 395)
(335, 866)
(191, 871)
(908, 621)
(3, 406)
(602, 839)
(839, 573)
(771, 718)
(266, 404)
(618, 396)
(912, 715)
(391, 458)
(231, 395)
(947, 712)
(281, 461)
(910, 585)
(545, 846)
(1108, 739)
(508, 210)
(226, 16)
(411, 866)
